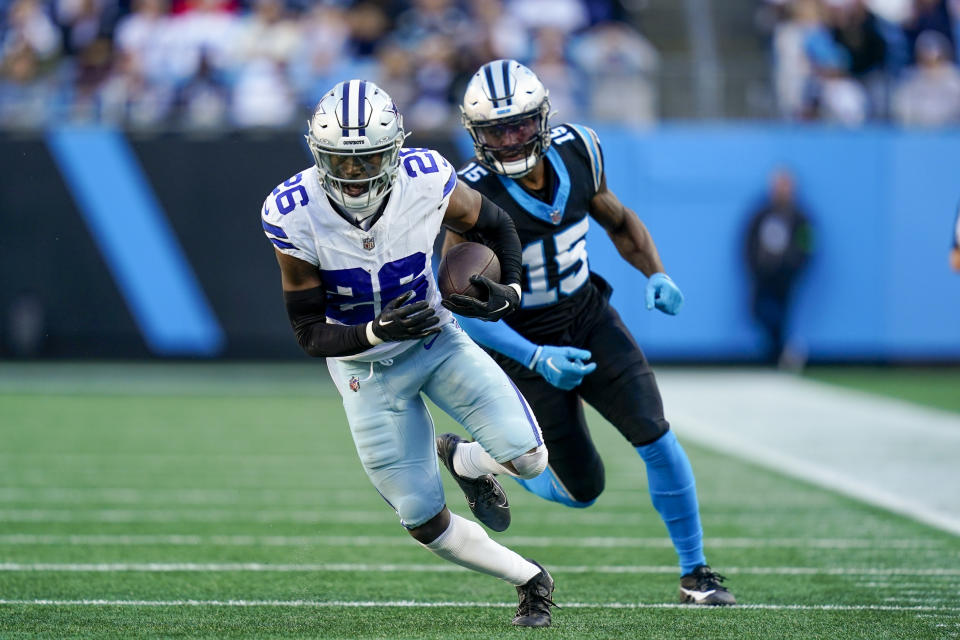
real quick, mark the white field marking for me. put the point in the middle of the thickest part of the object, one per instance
(784, 423)
(256, 567)
(319, 515)
(412, 604)
(402, 541)
(138, 496)
(318, 497)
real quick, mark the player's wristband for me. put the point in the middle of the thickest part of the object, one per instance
(371, 336)
(536, 356)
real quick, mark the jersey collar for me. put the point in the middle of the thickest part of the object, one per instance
(552, 213)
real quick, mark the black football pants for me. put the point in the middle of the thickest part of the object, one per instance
(622, 389)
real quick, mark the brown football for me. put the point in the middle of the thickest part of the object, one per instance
(462, 261)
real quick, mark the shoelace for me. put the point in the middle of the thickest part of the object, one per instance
(711, 579)
(526, 602)
(488, 495)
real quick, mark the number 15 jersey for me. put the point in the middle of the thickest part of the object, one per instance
(361, 271)
(559, 294)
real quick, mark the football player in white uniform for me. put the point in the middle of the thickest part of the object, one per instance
(354, 237)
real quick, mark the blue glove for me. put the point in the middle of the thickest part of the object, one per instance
(663, 294)
(562, 366)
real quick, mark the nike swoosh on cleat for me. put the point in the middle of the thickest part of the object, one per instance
(699, 596)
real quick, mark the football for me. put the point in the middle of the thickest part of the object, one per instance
(463, 261)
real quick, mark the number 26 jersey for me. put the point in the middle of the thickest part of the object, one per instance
(363, 270)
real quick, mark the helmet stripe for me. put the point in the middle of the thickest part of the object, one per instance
(345, 115)
(504, 70)
(362, 107)
(488, 72)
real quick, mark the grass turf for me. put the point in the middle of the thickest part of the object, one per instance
(934, 386)
(200, 469)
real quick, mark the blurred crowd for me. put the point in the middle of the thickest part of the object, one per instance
(857, 61)
(212, 64)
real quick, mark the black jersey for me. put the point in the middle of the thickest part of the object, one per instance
(559, 295)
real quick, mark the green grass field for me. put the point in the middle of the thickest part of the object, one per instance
(214, 502)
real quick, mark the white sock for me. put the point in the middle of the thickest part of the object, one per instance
(471, 460)
(466, 543)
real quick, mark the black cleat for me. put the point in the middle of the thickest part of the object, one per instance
(535, 602)
(485, 496)
(702, 586)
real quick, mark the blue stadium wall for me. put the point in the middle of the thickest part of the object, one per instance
(119, 246)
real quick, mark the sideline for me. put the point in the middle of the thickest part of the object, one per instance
(889, 453)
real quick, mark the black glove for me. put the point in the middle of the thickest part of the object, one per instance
(501, 300)
(402, 321)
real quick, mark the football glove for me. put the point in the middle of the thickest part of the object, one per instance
(501, 300)
(402, 321)
(562, 367)
(663, 294)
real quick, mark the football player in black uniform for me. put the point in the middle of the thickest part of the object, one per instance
(566, 343)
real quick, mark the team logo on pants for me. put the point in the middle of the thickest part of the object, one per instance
(354, 383)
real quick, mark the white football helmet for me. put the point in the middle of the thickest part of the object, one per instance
(355, 135)
(505, 109)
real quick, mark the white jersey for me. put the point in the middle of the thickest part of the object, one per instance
(364, 270)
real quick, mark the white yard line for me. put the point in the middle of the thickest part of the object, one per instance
(462, 605)
(256, 567)
(889, 453)
(404, 541)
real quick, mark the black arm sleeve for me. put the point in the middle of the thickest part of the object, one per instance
(316, 336)
(497, 228)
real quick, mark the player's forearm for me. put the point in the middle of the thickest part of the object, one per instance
(500, 337)
(496, 226)
(315, 335)
(636, 246)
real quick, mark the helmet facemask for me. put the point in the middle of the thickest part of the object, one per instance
(357, 180)
(511, 146)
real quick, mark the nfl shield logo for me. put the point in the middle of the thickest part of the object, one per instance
(556, 217)
(354, 383)
(368, 244)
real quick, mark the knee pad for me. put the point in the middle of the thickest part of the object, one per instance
(532, 464)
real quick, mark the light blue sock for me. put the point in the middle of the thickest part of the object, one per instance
(673, 491)
(548, 487)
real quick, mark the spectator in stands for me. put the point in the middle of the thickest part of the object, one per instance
(83, 21)
(551, 65)
(930, 95)
(204, 101)
(831, 94)
(621, 67)
(324, 55)
(495, 35)
(28, 25)
(778, 245)
(26, 94)
(792, 70)
(433, 73)
(930, 15)
(860, 33)
(565, 16)
(143, 37)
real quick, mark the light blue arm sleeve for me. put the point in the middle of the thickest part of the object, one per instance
(500, 337)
